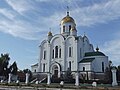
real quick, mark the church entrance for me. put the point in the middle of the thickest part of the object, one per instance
(55, 70)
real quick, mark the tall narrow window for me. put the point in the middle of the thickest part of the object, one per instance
(69, 28)
(63, 28)
(70, 51)
(103, 66)
(60, 53)
(53, 53)
(83, 68)
(70, 65)
(43, 67)
(56, 52)
(44, 55)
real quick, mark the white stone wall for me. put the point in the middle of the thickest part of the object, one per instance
(87, 66)
(34, 68)
(79, 47)
(86, 45)
(42, 60)
(58, 40)
(97, 63)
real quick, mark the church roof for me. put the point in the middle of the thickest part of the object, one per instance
(97, 53)
(67, 19)
(85, 60)
(35, 65)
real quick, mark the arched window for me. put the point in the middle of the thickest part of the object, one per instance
(63, 28)
(53, 53)
(69, 28)
(103, 66)
(43, 67)
(70, 65)
(60, 53)
(44, 55)
(70, 51)
(56, 52)
(83, 68)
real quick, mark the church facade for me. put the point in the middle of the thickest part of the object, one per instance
(69, 51)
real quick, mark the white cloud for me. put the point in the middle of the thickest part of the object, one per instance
(27, 22)
(7, 13)
(19, 29)
(112, 48)
(20, 5)
(97, 13)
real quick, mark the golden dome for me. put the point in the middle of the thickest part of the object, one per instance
(67, 19)
(73, 29)
(49, 33)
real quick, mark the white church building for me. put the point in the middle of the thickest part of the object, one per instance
(67, 50)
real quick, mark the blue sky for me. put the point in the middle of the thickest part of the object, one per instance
(25, 23)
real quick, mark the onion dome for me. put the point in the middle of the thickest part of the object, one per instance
(49, 33)
(97, 49)
(73, 29)
(67, 19)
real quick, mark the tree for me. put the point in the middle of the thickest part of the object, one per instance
(4, 62)
(110, 64)
(118, 73)
(13, 68)
(68, 76)
(108, 75)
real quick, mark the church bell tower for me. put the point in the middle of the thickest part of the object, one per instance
(66, 24)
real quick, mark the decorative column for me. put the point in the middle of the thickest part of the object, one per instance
(27, 78)
(48, 57)
(77, 79)
(9, 79)
(114, 80)
(75, 49)
(39, 60)
(48, 79)
(64, 55)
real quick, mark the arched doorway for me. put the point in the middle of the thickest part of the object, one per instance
(55, 70)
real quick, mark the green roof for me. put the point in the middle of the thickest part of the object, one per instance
(35, 65)
(85, 60)
(97, 53)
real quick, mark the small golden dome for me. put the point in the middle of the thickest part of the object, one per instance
(49, 33)
(67, 19)
(73, 29)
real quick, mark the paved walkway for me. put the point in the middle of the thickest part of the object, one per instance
(2, 87)
(40, 89)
